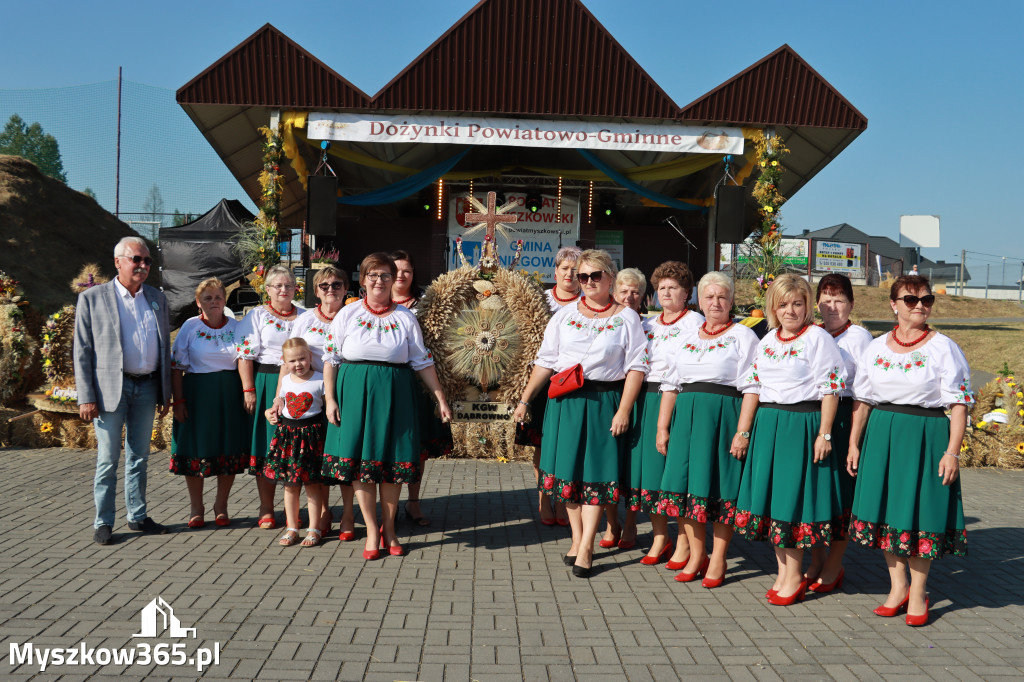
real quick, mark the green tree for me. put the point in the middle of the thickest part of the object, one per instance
(31, 143)
(89, 193)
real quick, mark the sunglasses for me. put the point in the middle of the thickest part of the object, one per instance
(594, 277)
(139, 259)
(912, 301)
(332, 286)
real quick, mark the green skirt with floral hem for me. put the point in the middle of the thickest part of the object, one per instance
(213, 440)
(785, 497)
(645, 464)
(580, 460)
(900, 505)
(840, 448)
(262, 431)
(378, 440)
(702, 478)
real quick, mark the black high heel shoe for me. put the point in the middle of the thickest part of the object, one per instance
(581, 572)
(416, 520)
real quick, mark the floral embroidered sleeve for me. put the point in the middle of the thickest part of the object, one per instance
(636, 357)
(829, 368)
(419, 356)
(955, 375)
(179, 349)
(248, 346)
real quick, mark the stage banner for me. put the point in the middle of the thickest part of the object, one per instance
(837, 257)
(793, 252)
(656, 137)
(541, 233)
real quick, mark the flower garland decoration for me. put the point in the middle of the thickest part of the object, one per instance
(995, 425)
(765, 255)
(17, 348)
(257, 242)
(58, 335)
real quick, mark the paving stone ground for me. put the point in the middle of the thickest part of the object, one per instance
(482, 595)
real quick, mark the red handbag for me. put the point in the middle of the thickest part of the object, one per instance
(566, 381)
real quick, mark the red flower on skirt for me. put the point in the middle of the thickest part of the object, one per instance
(615, 496)
(884, 543)
(671, 510)
(268, 472)
(549, 482)
(566, 490)
(701, 515)
(904, 536)
(742, 520)
(924, 546)
(594, 500)
(858, 524)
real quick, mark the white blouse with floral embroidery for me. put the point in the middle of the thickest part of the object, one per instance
(358, 334)
(313, 330)
(200, 349)
(662, 348)
(262, 335)
(852, 343)
(808, 368)
(934, 375)
(607, 347)
(722, 359)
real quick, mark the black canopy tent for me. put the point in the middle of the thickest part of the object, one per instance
(194, 251)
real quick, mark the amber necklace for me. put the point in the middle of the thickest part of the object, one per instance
(583, 300)
(704, 328)
(278, 312)
(840, 331)
(669, 324)
(404, 301)
(780, 337)
(377, 312)
(916, 341)
(554, 293)
(323, 315)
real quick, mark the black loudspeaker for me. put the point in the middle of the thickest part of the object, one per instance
(730, 203)
(322, 205)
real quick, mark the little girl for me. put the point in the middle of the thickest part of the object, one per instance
(297, 449)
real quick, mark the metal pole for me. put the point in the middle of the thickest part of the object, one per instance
(963, 256)
(1020, 283)
(117, 170)
(1002, 280)
(988, 268)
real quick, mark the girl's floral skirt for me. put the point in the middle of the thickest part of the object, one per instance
(900, 505)
(645, 465)
(214, 439)
(379, 438)
(580, 460)
(702, 479)
(785, 497)
(296, 451)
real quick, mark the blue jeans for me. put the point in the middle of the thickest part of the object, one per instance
(135, 412)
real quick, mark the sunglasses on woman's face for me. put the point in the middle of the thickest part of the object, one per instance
(912, 301)
(331, 286)
(594, 277)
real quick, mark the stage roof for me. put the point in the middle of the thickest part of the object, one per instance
(529, 59)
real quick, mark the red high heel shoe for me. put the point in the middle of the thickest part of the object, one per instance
(649, 560)
(608, 544)
(371, 554)
(548, 522)
(822, 588)
(396, 550)
(627, 544)
(769, 593)
(684, 577)
(347, 535)
(918, 621)
(712, 583)
(890, 611)
(676, 565)
(801, 591)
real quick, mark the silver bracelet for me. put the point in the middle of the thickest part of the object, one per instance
(524, 403)
(954, 455)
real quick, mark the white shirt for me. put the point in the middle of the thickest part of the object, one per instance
(661, 346)
(199, 348)
(262, 334)
(302, 399)
(722, 359)
(852, 343)
(607, 347)
(310, 327)
(555, 305)
(934, 375)
(358, 334)
(140, 341)
(808, 368)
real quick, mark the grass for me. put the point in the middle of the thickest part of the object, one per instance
(988, 346)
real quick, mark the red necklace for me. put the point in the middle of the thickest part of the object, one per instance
(583, 300)
(376, 312)
(554, 293)
(278, 312)
(778, 334)
(669, 324)
(323, 315)
(916, 341)
(704, 328)
(404, 301)
(840, 331)
(206, 321)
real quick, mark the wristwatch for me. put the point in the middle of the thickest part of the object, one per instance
(826, 436)
(743, 434)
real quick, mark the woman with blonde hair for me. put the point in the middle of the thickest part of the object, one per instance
(585, 428)
(790, 491)
(209, 436)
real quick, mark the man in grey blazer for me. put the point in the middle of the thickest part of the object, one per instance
(122, 358)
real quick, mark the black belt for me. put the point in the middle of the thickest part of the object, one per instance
(267, 368)
(140, 377)
(804, 406)
(376, 363)
(308, 421)
(711, 387)
(601, 386)
(915, 410)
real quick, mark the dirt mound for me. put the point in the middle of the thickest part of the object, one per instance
(48, 231)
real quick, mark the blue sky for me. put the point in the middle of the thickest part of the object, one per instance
(941, 83)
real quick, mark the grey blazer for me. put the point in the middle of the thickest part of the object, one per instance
(99, 361)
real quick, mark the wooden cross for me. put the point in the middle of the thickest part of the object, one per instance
(491, 218)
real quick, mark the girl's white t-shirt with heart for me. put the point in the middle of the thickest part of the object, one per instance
(302, 399)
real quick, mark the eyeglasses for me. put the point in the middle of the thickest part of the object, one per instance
(280, 286)
(594, 277)
(333, 286)
(382, 276)
(912, 301)
(139, 259)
